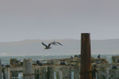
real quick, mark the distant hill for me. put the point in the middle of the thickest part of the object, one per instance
(70, 46)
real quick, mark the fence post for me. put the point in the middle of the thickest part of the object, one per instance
(85, 69)
(27, 69)
(0, 70)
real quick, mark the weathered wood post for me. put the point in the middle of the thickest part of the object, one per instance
(85, 69)
(28, 72)
(0, 70)
(7, 73)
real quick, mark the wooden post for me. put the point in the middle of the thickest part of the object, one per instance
(85, 69)
(7, 73)
(0, 72)
(27, 69)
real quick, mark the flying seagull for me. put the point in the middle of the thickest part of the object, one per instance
(49, 45)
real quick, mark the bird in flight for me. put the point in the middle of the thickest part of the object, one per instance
(49, 45)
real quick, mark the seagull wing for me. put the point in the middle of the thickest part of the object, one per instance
(44, 44)
(49, 44)
(59, 43)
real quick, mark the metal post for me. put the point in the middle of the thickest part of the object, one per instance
(85, 71)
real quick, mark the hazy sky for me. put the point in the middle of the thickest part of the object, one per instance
(58, 19)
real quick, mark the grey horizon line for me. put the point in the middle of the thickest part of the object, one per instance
(56, 39)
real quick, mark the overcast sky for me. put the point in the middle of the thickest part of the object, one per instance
(58, 19)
